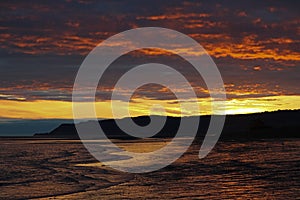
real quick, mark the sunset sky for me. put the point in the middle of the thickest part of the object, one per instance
(255, 45)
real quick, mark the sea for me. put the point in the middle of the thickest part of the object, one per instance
(65, 169)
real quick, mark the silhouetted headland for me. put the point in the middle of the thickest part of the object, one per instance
(277, 124)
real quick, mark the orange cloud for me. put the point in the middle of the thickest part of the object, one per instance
(174, 16)
(217, 45)
(257, 68)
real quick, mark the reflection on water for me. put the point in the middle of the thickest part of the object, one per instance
(147, 153)
(233, 170)
(144, 146)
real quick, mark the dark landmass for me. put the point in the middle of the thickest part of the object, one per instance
(26, 127)
(277, 124)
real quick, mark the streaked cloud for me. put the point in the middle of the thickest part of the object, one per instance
(42, 44)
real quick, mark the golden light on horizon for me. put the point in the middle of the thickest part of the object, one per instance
(243, 111)
(46, 109)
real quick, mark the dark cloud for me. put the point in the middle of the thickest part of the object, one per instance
(42, 44)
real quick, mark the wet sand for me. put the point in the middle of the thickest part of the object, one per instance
(63, 169)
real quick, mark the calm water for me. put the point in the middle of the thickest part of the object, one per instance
(52, 169)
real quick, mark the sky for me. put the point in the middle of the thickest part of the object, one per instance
(255, 45)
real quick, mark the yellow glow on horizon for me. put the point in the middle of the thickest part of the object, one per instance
(243, 111)
(46, 109)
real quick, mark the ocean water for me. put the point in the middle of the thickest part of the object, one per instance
(64, 169)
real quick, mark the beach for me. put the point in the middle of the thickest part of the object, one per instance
(64, 169)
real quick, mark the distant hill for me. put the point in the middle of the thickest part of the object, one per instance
(277, 124)
(25, 127)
